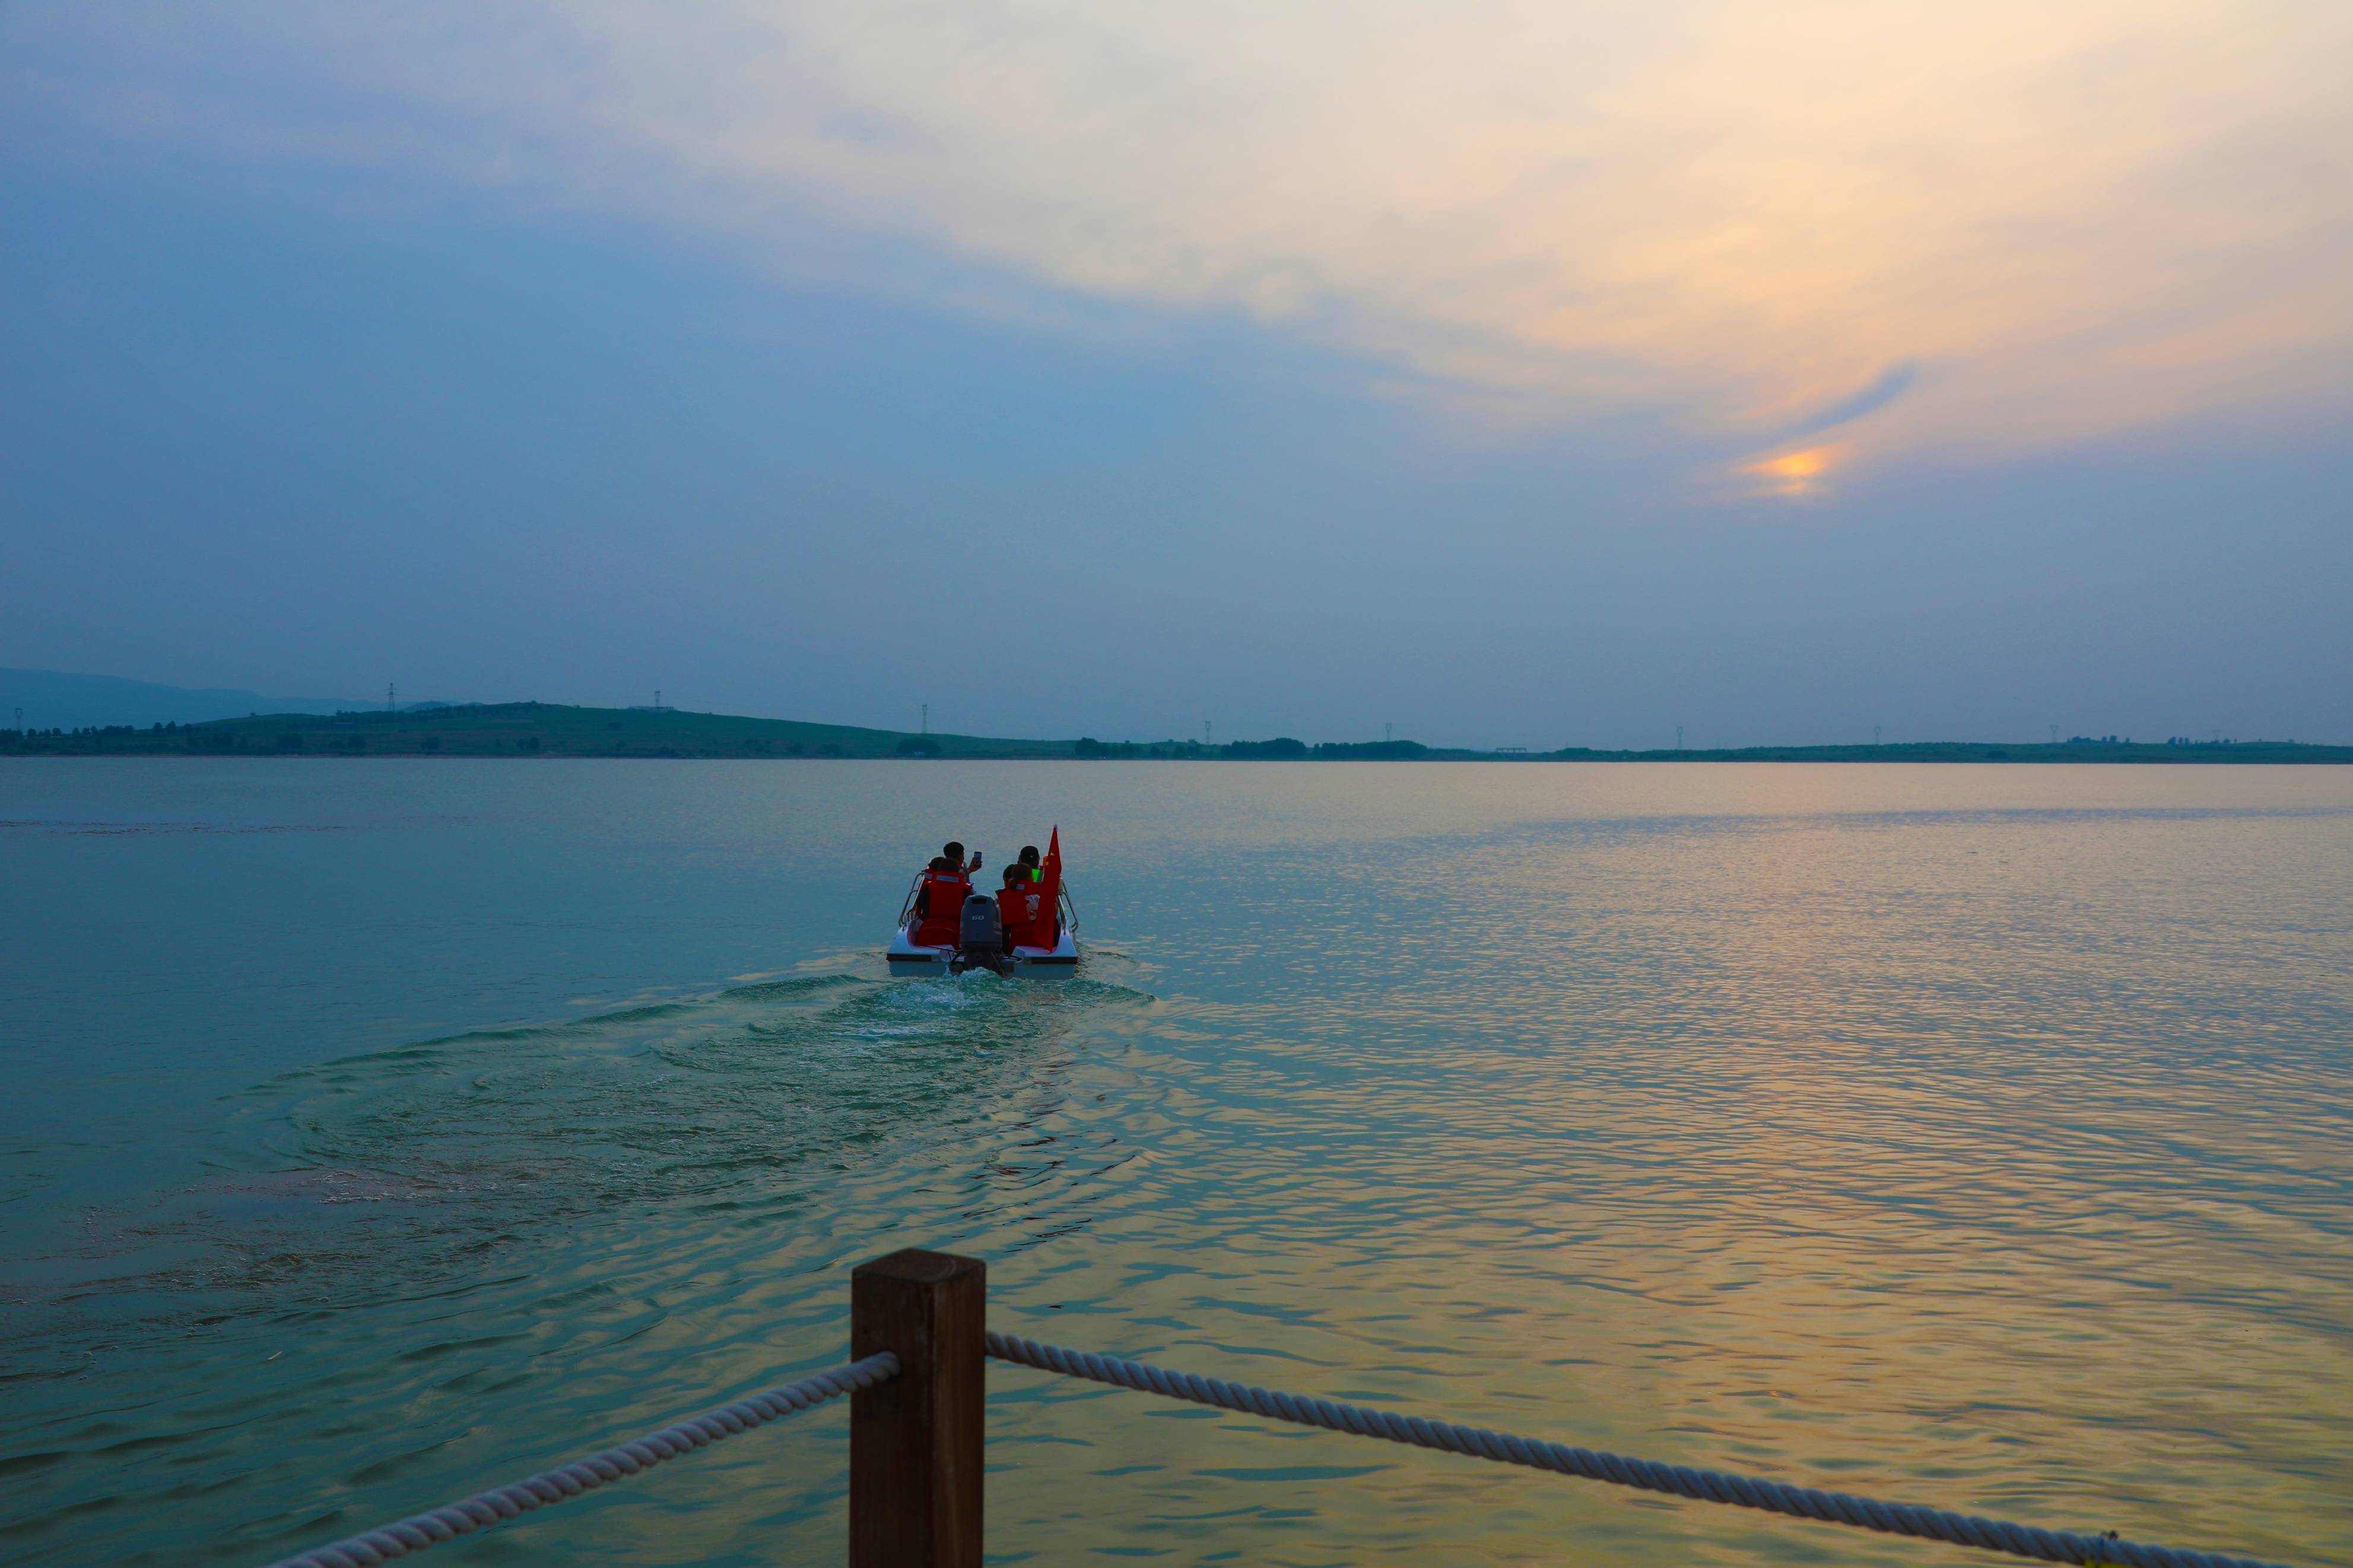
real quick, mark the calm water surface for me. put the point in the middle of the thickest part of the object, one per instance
(380, 1129)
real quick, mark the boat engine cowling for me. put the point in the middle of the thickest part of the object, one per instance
(981, 940)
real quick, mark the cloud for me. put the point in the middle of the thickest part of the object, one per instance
(1722, 213)
(1885, 388)
(1802, 472)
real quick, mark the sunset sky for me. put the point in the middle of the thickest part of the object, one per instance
(1519, 374)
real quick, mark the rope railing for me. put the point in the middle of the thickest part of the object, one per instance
(916, 1443)
(419, 1531)
(1645, 1475)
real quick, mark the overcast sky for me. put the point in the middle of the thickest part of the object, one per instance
(1516, 374)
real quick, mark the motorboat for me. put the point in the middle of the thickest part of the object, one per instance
(980, 943)
(920, 945)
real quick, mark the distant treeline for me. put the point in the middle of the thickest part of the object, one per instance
(1281, 749)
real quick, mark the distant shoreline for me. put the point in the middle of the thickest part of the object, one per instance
(541, 729)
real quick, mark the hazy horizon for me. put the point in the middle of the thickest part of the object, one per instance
(1544, 378)
(42, 699)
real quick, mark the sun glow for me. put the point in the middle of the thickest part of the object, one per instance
(1794, 476)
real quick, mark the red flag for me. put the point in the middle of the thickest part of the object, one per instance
(1049, 880)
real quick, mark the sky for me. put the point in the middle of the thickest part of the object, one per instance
(1512, 374)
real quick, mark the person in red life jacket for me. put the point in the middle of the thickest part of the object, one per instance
(939, 902)
(1044, 928)
(1019, 904)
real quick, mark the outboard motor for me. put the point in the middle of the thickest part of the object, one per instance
(981, 941)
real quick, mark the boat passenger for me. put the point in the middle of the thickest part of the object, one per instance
(939, 901)
(1029, 862)
(1018, 906)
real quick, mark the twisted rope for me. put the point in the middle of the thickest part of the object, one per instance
(1646, 1475)
(418, 1531)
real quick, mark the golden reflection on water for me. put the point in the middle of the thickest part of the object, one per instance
(1919, 1159)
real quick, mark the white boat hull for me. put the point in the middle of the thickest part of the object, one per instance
(1055, 963)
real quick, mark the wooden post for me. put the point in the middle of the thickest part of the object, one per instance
(914, 1441)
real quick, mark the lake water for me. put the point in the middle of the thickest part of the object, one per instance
(1980, 1136)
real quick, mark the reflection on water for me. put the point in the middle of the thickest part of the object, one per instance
(1939, 1134)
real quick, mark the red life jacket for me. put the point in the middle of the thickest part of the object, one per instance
(1019, 907)
(944, 896)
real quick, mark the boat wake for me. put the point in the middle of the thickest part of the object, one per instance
(393, 1169)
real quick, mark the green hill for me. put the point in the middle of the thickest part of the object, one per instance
(520, 728)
